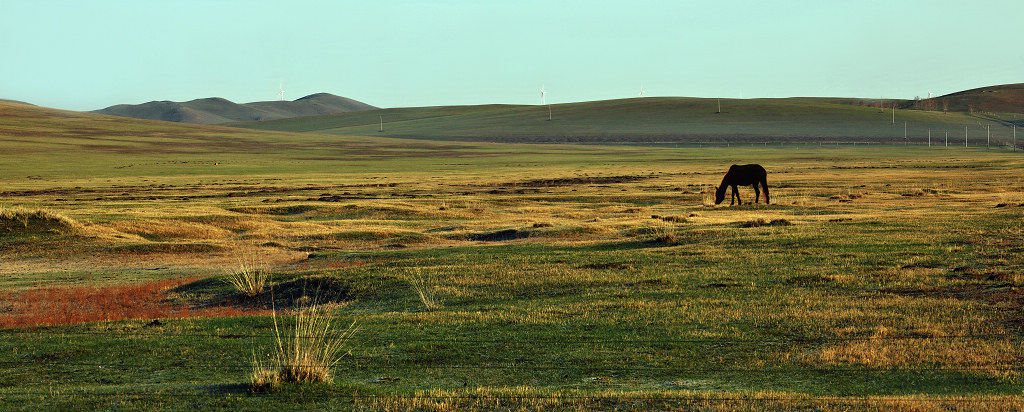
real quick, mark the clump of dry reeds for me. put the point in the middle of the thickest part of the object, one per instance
(667, 235)
(249, 276)
(426, 293)
(707, 194)
(306, 352)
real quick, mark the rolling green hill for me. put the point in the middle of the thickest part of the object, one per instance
(660, 120)
(1007, 98)
(216, 110)
(43, 144)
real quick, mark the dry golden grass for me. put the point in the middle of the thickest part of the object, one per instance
(978, 356)
(523, 398)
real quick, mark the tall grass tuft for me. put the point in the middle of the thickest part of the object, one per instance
(707, 195)
(666, 235)
(249, 277)
(306, 353)
(425, 291)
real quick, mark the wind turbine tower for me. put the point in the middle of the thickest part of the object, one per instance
(642, 90)
(543, 94)
(280, 90)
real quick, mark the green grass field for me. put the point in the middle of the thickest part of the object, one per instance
(674, 120)
(504, 276)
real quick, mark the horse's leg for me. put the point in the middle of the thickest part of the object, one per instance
(757, 194)
(764, 185)
(736, 194)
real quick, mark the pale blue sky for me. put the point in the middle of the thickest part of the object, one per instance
(86, 55)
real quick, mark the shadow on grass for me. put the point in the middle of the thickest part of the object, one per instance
(229, 389)
(286, 295)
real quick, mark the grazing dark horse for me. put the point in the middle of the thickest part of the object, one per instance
(743, 175)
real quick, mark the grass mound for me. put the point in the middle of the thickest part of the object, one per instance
(19, 221)
(284, 293)
(296, 292)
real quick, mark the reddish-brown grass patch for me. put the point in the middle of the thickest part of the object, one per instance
(65, 305)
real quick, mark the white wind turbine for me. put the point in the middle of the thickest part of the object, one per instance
(642, 90)
(543, 93)
(280, 90)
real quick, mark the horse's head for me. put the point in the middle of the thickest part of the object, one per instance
(720, 194)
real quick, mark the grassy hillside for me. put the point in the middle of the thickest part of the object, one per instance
(216, 110)
(14, 101)
(993, 99)
(658, 120)
(502, 276)
(47, 145)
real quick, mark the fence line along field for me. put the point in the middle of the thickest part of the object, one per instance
(484, 276)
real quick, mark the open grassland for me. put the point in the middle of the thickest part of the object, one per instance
(502, 276)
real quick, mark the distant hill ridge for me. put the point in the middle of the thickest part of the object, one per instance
(15, 101)
(215, 110)
(1007, 98)
(688, 120)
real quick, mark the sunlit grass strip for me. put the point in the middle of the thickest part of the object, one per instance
(526, 398)
(307, 354)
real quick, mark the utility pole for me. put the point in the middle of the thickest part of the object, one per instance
(947, 138)
(894, 113)
(905, 141)
(1015, 138)
(965, 136)
(929, 137)
(988, 140)
(381, 123)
